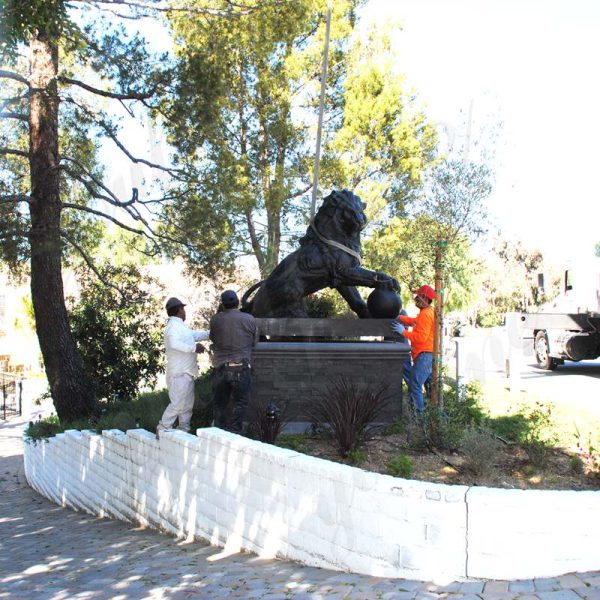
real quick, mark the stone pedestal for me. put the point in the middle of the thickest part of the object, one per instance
(296, 373)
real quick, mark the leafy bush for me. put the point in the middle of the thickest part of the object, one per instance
(462, 409)
(293, 441)
(119, 334)
(576, 465)
(357, 456)
(479, 447)
(400, 466)
(203, 404)
(540, 437)
(44, 428)
(320, 306)
(346, 413)
(396, 427)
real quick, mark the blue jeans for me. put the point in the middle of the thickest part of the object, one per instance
(419, 374)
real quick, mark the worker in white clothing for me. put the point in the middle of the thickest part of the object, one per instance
(181, 347)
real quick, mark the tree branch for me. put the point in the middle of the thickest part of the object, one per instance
(174, 172)
(14, 76)
(111, 196)
(14, 198)
(103, 215)
(90, 264)
(14, 115)
(105, 94)
(146, 7)
(14, 151)
(12, 100)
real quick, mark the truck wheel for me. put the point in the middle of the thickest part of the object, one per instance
(544, 360)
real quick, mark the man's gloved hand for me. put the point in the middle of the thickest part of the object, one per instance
(398, 327)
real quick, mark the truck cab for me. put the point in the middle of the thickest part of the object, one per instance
(568, 328)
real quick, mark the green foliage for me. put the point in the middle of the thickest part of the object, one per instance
(576, 464)
(509, 282)
(510, 427)
(480, 448)
(597, 249)
(356, 456)
(119, 334)
(403, 248)
(540, 436)
(242, 114)
(400, 466)
(454, 198)
(396, 427)
(384, 142)
(462, 409)
(320, 306)
(22, 19)
(44, 428)
(293, 441)
(346, 413)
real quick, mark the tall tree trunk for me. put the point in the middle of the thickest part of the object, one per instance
(68, 384)
(273, 241)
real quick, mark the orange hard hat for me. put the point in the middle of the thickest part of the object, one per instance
(425, 290)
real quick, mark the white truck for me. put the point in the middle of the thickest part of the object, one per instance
(568, 328)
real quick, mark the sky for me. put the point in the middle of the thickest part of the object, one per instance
(527, 70)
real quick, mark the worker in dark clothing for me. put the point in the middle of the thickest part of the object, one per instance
(233, 335)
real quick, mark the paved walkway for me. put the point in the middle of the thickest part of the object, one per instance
(50, 552)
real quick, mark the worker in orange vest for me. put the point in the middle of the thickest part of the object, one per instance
(421, 340)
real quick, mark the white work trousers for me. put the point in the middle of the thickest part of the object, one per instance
(181, 396)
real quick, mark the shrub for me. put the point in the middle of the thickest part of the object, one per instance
(400, 466)
(479, 447)
(292, 441)
(462, 409)
(44, 428)
(347, 413)
(540, 437)
(119, 335)
(356, 456)
(576, 465)
(203, 403)
(396, 427)
(320, 306)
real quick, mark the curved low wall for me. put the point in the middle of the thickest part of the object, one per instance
(243, 494)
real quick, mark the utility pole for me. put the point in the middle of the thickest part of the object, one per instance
(321, 109)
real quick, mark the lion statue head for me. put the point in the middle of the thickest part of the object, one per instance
(341, 217)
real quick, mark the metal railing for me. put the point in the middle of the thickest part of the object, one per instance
(11, 390)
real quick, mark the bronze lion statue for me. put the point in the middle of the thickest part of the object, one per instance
(329, 256)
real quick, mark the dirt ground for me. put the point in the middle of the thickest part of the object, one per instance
(511, 467)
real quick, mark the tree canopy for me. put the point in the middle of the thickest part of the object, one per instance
(242, 117)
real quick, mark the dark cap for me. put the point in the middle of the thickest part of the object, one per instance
(229, 299)
(174, 303)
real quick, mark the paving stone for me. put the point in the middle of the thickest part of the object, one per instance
(472, 587)
(495, 587)
(549, 584)
(570, 581)
(558, 595)
(588, 593)
(521, 586)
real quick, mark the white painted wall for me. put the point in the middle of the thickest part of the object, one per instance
(241, 494)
